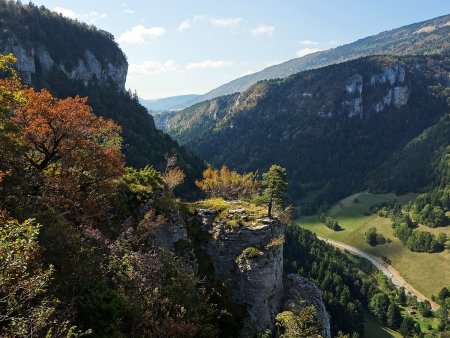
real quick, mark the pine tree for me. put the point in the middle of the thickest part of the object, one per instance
(275, 183)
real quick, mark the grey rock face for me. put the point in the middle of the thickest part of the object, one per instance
(396, 93)
(171, 234)
(392, 75)
(171, 231)
(301, 292)
(25, 60)
(256, 276)
(353, 107)
(259, 285)
(88, 68)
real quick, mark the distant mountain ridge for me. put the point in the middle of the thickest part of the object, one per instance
(168, 103)
(426, 37)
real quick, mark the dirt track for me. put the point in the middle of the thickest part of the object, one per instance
(387, 269)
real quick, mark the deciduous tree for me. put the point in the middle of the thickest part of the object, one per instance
(77, 153)
(228, 184)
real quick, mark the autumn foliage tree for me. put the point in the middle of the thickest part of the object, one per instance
(228, 184)
(77, 153)
(173, 175)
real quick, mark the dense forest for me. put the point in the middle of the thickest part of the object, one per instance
(76, 255)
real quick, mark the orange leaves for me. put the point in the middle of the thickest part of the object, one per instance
(174, 177)
(4, 174)
(78, 153)
(228, 184)
(54, 128)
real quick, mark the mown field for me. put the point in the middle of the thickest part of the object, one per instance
(428, 273)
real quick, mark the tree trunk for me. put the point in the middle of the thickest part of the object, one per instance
(269, 212)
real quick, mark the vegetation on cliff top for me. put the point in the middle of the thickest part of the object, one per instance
(239, 199)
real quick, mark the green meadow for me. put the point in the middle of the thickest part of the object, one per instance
(428, 273)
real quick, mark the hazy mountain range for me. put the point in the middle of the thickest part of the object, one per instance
(426, 37)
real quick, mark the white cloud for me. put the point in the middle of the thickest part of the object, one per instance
(220, 22)
(65, 12)
(138, 34)
(184, 25)
(188, 23)
(91, 17)
(263, 30)
(306, 51)
(309, 43)
(128, 11)
(152, 67)
(208, 64)
(225, 22)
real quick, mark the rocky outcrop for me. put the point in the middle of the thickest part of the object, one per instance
(172, 235)
(301, 292)
(388, 89)
(393, 74)
(249, 258)
(88, 68)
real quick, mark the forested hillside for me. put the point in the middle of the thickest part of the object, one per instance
(332, 127)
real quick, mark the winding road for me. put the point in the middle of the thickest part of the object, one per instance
(387, 269)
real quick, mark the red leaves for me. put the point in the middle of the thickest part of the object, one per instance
(78, 152)
(54, 128)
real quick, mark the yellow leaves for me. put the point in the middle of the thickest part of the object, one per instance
(228, 184)
(11, 95)
(174, 177)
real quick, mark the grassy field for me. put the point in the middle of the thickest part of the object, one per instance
(428, 273)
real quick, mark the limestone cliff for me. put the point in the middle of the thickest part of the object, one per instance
(49, 47)
(87, 68)
(249, 258)
(246, 251)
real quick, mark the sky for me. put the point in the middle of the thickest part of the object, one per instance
(177, 47)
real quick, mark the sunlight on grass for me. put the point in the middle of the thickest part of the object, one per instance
(415, 268)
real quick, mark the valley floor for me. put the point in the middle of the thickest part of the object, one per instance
(387, 269)
(427, 273)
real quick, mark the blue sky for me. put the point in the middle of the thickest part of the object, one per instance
(179, 47)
